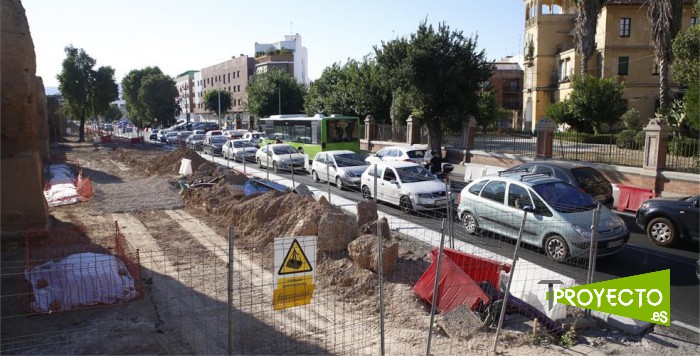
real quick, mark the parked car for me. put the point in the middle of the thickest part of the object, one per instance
(561, 218)
(406, 184)
(199, 132)
(171, 137)
(253, 137)
(283, 137)
(279, 156)
(214, 133)
(669, 220)
(182, 138)
(400, 153)
(239, 150)
(154, 135)
(206, 126)
(587, 178)
(194, 142)
(233, 134)
(162, 135)
(108, 127)
(343, 167)
(213, 144)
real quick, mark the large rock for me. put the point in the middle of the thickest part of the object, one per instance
(366, 212)
(336, 231)
(364, 252)
(371, 228)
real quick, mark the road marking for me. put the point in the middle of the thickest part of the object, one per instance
(681, 324)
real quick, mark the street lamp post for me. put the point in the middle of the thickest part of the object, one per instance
(279, 100)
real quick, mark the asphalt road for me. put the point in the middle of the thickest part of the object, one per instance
(640, 255)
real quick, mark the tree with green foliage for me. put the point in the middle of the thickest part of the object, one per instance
(274, 92)
(487, 108)
(390, 58)
(665, 17)
(158, 97)
(585, 29)
(354, 88)
(441, 73)
(84, 89)
(686, 69)
(216, 97)
(113, 113)
(595, 101)
(562, 113)
(135, 110)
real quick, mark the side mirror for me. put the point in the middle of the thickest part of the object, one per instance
(393, 181)
(529, 209)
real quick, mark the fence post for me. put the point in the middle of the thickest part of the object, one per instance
(655, 144)
(545, 137)
(412, 131)
(230, 290)
(593, 252)
(370, 130)
(380, 275)
(435, 287)
(512, 273)
(468, 134)
(328, 178)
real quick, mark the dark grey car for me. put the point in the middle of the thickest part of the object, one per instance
(583, 177)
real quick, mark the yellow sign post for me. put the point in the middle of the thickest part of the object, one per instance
(295, 259)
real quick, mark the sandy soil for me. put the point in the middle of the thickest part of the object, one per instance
(183, 253)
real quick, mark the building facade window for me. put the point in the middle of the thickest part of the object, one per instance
(623, 65)
(693, 21)
(625, 26)
(655, 67)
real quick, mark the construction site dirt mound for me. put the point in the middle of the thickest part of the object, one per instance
(170, 163)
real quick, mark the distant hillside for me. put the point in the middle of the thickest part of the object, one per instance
(51, 90)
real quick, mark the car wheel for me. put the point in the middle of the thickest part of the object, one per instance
(259, 163)
(556, 248)
(366, 193)
(470, 223)
(314, 176)
(339, 183)
(274, 167)
(661, 231)
(405, 204)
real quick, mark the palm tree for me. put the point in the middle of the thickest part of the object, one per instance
(585, 29)
(665, 17)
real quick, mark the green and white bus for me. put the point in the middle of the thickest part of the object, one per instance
(311, 135)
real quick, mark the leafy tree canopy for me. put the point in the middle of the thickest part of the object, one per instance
(131, 84)
(440, 71)
(355, 88)
(86, 91)
(596, 101)
(158, 96)
(113, 113)
(211, 101)
(274, 90)
(488, 110)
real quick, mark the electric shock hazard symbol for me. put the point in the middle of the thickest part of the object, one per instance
(295, 258)
(295, 261)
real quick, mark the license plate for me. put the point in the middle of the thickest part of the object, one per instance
(440, 201)
(614, 244)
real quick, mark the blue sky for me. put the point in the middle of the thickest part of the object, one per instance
(178, 35)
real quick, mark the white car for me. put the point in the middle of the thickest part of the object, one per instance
(406, 184)
(162, 134)
(239, 150)
(279, 156)
(343, 167)
(400, 153)
(253, 137)
(171, 137)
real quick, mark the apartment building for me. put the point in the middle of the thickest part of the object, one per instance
(184, 83)
(623, 51)
(231, 75)
(507, 84)
(289, 55)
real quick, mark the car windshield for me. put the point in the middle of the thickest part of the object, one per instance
(564, 198)
(416, 153)
(349, 160)
(197, 137)
(241, 144)
(283, 150)
(415, 174)
(218, 139)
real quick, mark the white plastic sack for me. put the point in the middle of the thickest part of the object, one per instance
(61, 194)
(186, 167)
(81, 279)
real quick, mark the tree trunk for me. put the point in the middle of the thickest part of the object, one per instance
(81, 135)
(434, 135)
(584, 66)
(663, 83)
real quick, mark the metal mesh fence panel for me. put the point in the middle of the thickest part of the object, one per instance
(609, 149)
(505, 142)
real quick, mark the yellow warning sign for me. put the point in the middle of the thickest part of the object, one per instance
(295, 261)
(293, 291)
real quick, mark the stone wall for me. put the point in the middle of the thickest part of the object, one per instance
(25, 144)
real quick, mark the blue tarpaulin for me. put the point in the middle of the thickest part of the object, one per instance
(253, 186)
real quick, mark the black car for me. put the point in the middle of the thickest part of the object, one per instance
(667, 220)
(583, 177)
(213, 144)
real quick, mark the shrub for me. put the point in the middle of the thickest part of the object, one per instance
(625, 139)
(630, 118)
(640, 139)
